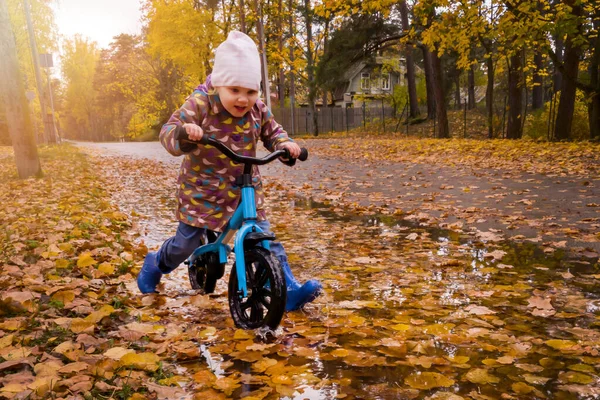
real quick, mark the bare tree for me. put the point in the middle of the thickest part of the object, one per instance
(410, 65)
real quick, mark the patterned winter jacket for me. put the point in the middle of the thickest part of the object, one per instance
(207, 194)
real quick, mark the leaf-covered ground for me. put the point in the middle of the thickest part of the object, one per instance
(409, 311)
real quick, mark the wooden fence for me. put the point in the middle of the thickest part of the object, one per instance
(331, 119)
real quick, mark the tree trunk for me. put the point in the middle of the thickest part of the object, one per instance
(559, 55)
(14, 103)
(262, 47)
(414, 111)
(566, 104)
(429, 82)
(242, 17)
(292, 75)
(457, 97)
(281, 83)
(489, 96)
(514, 129)
(310, 69)
(594, 108)
(440, 96)
(537, 95)
(325, 49)
(471, 100)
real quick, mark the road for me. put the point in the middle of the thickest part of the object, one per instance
(486, 203)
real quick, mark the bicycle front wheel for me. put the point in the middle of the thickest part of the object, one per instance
(265, 303)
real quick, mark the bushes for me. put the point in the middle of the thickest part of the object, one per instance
(536, 123)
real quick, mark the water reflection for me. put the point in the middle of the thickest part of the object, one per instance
(408, 305)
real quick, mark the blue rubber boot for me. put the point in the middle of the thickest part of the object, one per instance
(298, 295)
(150, 274)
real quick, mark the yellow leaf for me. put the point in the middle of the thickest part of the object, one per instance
(13, 388)
(86, 260)
(97, 316)
(480, 376)
(438, 329)
(241, 334)
(400, 327)
(428, 380)
(559, 344)
(204, 378)
(116, 353)
(522, 388)
(6, 341)
(576, 377)
(61, 263)
(12, 325)
(145, 361)
(208, 332)
(64, 296)
(340, 353)
(263, 365)
(65, 246)
(458, 359)
(14, 353)
(227, 385)
(42, 385)
(282, 380)
(74, 367)
(106, 268)
(64, 347)
(48, 368)
(79, 325)
(119, 216)
(174, 380)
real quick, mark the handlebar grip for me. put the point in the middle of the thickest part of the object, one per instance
(182, 136)
(180, 133)
(303, 154)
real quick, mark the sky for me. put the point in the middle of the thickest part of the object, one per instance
(98, 20)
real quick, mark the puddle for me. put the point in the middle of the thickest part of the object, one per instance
(410, 311)
(408, 305)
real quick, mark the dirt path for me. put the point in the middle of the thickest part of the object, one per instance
(489, 204)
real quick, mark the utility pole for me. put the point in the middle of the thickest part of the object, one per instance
(263, 53)
(14, 103)
(47, 63)
(38, 78)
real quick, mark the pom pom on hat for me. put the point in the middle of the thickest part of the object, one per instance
(237, 62)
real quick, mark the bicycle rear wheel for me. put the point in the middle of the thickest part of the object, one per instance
(265, 303)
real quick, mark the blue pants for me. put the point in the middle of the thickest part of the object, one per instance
(177, 249)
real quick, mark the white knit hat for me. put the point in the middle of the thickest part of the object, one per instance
(237, 62)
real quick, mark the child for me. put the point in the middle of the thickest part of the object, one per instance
(228, 108)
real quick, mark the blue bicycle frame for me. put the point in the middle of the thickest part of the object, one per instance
(244, 222)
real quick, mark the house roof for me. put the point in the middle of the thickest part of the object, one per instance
(354, 70)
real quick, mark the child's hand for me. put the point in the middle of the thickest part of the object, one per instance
(292, 148)
(194, 131)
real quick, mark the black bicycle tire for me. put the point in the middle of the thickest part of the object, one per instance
(193, 272)
(276, 309)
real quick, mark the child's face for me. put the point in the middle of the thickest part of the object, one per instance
(237, 100)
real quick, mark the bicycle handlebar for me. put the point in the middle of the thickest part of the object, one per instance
(182, 136)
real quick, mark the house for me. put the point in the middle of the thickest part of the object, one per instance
(364, 82)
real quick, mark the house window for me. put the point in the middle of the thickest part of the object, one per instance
(386, 82)
(365, 80)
